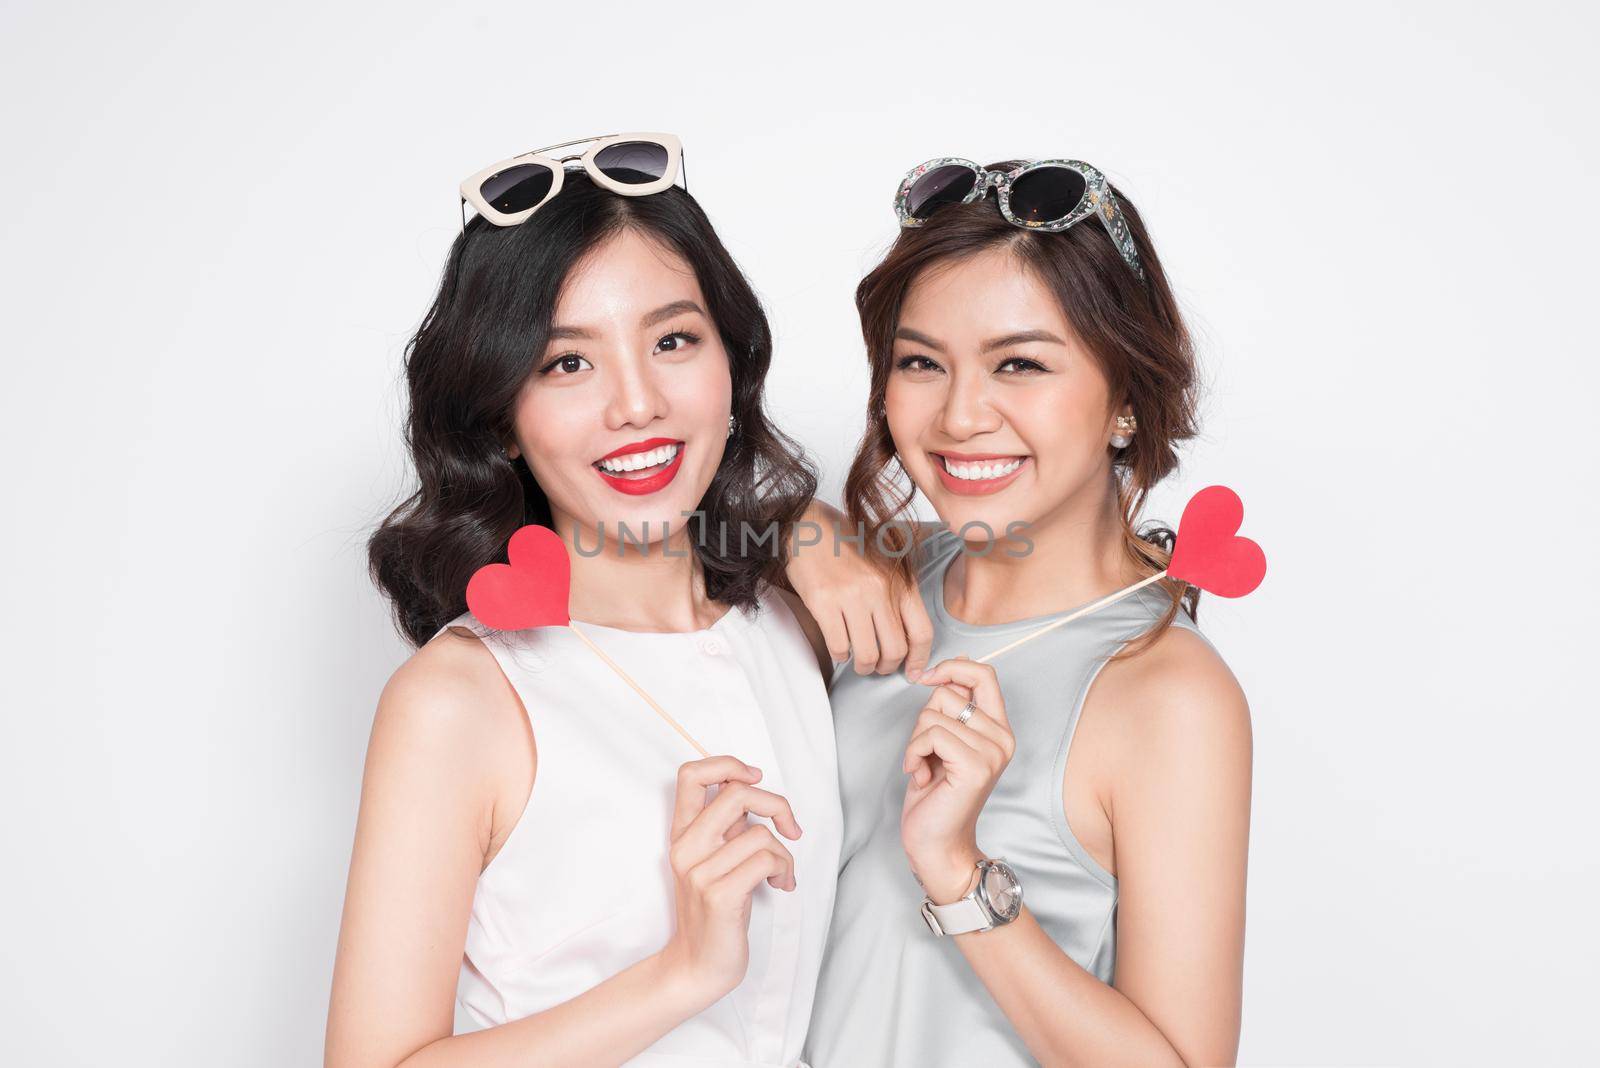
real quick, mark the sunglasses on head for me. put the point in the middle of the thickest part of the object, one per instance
(633, 164)
(1046, 194)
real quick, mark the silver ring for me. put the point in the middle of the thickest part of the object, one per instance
(966, 712)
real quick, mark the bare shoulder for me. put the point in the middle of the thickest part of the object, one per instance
(444, 685)
(808, 623)
(449, 708)
(1174, 702)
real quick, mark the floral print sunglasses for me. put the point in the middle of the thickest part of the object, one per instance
(1045, 194)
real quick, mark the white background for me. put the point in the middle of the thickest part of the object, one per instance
(220, 224)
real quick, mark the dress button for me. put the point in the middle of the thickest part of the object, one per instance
(709, 645)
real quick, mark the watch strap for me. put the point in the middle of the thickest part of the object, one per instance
(958, 917)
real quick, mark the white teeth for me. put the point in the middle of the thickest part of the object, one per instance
(638, 461)
(983, 471)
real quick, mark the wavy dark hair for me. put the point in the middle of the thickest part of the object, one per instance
(467, 363)
(1131, 327)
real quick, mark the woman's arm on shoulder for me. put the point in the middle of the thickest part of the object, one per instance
(1179, 802)
(425, 826)
(861, 607)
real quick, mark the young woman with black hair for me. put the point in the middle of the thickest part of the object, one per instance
(531, 841)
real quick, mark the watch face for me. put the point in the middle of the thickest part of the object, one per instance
(1003, 891)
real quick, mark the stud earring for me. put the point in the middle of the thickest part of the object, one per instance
(1126, 425)
(733, 424)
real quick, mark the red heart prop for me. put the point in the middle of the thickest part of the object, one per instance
(530, 591)
(1208, 553)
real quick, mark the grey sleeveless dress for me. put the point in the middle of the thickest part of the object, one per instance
(891, 993)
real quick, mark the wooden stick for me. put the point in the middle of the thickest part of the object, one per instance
(1079, 614)
(651, 701)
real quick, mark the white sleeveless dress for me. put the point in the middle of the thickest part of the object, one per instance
(582, 888)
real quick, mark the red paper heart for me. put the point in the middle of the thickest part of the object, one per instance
(530, 591)
(1208, 553)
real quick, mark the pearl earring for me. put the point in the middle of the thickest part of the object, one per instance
(1126, 425)
(733, 425)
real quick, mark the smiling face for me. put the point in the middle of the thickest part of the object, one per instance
(998, 413)
(625, 417)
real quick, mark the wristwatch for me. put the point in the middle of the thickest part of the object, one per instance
(994, 901)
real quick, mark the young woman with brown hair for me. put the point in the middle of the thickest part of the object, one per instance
(1033, 377)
